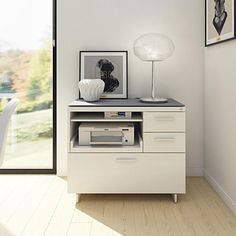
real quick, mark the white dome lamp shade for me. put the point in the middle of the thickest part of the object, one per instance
(153, 47)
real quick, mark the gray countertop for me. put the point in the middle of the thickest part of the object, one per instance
(124, 103)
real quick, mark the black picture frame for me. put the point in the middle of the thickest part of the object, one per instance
(224, 37)
(106, 54)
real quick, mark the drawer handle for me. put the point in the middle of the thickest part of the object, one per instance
(165, 139)
(126, 159)
(167, 118)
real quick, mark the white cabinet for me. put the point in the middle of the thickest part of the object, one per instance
(154, 164)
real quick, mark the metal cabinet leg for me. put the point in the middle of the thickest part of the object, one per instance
(77, 197)
(175, 197)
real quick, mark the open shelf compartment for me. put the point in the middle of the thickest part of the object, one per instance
(137, 147)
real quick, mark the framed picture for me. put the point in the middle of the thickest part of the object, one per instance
(109, 66)
(219, 21)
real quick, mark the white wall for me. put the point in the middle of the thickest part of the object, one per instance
(114, 25)
(220, 119)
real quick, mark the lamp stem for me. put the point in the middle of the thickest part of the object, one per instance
(153, 85)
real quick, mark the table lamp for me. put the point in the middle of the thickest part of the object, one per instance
(153, 47)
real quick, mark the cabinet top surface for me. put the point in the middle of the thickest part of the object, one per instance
(124, 103)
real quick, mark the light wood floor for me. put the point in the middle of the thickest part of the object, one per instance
(40, 205)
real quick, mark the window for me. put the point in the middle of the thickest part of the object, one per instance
(27, 72)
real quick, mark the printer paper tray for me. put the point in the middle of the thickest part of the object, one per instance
(105, 143)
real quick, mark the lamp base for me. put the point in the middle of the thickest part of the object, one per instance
(153, 100)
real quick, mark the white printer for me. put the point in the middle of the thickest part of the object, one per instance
(100, 133)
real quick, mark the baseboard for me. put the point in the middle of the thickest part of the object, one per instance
(225, 197)
(194, 171)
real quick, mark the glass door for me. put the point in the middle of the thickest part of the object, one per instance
(27, 71)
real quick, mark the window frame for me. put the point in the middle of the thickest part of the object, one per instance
(53, 170)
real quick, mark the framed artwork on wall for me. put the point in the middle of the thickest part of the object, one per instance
(109, 66)
(219, 21)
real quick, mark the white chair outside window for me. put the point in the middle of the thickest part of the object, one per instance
(4, 124)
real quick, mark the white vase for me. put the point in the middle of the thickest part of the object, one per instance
(91, 89)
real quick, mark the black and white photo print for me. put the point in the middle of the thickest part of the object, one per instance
(219, 21)
(109, 66)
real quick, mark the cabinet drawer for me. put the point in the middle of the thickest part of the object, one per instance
(164, 142)
(126, 173)
(164, 121)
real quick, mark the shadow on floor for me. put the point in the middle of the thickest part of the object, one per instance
(125, 214)
(199, 212)
(4, 231)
